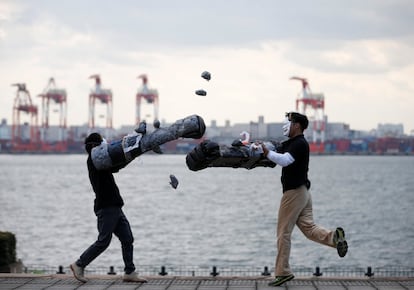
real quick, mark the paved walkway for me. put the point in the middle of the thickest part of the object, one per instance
(98, 282)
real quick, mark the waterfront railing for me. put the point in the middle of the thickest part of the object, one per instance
(242, 271)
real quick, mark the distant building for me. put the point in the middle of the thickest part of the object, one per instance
(213, 130)
(257, 130)
(390, 130)
(337, 131)
(274, 131)
(78, 133)
(339, 137)
(5, 130)
(54, 134)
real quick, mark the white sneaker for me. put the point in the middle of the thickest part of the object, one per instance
(133, 277)
(78, 272)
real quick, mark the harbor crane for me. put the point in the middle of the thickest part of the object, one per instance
(149, 95)
(25, 136)
(104, 96)
(51, 94)
(313, 106)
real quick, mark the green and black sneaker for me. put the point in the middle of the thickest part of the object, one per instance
(279, 280)
(340, 242)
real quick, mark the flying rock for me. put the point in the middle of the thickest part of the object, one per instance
(173, 181)
(201, 92)
(206, 75)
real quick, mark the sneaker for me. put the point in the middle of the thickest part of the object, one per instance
(133, 277)
(340, 242)
(78, 272)
(279, 280)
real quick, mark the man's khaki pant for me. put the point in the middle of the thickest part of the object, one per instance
(296, 208)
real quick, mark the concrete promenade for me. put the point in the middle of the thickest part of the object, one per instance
(100, 282)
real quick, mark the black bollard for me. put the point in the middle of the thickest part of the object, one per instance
(369, 272)
(318, 272)
(111, 271)
(60, 270)
(266, 272)
(214, 273)
(163, 272)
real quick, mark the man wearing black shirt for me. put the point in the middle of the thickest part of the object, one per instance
(296, 203)
(110, 217)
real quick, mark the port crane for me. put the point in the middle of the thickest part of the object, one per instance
(149, 95)
(313, 106)
(25, 136)
(103, 96)
(51, 95)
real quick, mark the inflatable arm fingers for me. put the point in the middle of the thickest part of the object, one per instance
(210, 154)
(119, 153)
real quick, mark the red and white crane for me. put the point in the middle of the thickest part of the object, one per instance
(25, 134)
(313, 106)
(51, 94)
(104, 96)
(149, 95)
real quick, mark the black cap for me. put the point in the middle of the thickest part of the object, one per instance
(92, 140)
(298, 118)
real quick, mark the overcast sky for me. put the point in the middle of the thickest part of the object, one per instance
(360, 54)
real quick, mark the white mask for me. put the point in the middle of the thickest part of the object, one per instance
(286, 127)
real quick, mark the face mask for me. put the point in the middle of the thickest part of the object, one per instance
(286, 127)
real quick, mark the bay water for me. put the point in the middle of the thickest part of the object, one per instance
(218, 216)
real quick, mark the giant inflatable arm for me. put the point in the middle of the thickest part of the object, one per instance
(119, 153)
(238, 155)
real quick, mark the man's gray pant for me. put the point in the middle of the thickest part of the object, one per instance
(111, 220)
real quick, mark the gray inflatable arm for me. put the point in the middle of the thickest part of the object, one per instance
(238, 155)
(119, 153)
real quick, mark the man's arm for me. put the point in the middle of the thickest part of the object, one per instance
(283, 160)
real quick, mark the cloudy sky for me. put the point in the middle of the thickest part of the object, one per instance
(360, 54)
